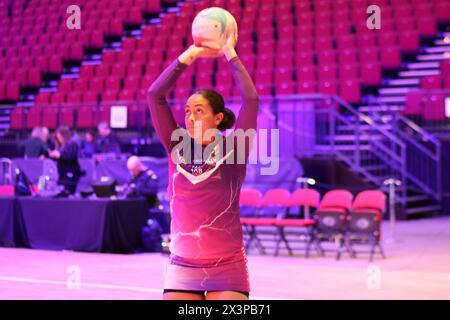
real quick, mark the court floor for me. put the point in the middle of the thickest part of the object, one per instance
(417, 267)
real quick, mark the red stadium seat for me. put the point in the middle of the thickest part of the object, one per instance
(96, 39)
(306, 73)
(304, 58)
(426, 26)
(87, 71)
(90, 97)
(80, 85)
(76, 51)
(366, 40)
(74, 97)
(104, 113)
(347, 56)
(50, 117)
(134, 69)
(55, 63)
(431, 82)
(327, 72)
(12, 91)
(287, 87)
(109, 57)
(42, 98)
(112, 83)
(86, 117)
(435, 107)
(127, 95)
(306, 87)
(326, 57)
(409, 41)
(348, 71)
(65, 85)
(102, 70)
(390, 57)
(34, 117)
(132, 83)
(350, 90)
(96, 84)
(137, 116)
(387, 39)
(370, 73)
(17, 118)
(346, 42)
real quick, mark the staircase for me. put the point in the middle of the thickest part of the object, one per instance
(412, 154)
(425, 63)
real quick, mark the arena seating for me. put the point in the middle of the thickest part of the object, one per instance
(289, 47)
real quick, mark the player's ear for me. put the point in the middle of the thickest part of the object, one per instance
(218, 118)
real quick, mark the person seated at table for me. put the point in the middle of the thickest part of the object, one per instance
(107, 141)
(88, 144)
(143, 181)
(66, 155)
(34, 147)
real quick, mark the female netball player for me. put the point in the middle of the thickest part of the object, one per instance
(207, 256)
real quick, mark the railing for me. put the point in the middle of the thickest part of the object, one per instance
(423, 150)
(321, 124)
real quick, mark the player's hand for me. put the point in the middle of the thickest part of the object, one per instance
(206, 51)
(194, 52)
(229, 47)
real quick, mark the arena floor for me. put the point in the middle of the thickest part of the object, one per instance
(417, 267)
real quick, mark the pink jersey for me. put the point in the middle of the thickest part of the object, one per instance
(204, 197)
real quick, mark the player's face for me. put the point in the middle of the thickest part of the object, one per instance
(199, 114)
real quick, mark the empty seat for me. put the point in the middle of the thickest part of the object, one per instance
(12, 91)
(370, 73)
(350, 90)
(390, 57)
(86, 117)
(431, 82)
(34, 117)
(435, 107)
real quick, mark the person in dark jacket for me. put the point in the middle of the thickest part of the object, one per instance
(143, 182)
(66, 155)
(107, 141)
(88, 145)
(35, 146)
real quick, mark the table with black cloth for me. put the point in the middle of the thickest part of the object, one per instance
(91, 225)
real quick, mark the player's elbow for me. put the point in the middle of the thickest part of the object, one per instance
(152, 93)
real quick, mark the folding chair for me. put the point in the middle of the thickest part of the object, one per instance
(250, 202)
(364, 221)
(274, 204)
(331, 219)
(301, 198)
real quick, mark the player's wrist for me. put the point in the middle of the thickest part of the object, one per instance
(229, 53)
(188, 56)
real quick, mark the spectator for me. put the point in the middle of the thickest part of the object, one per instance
(66, 155)
(107, 141)
(143, 181)
(88, 144)
(35, 146)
